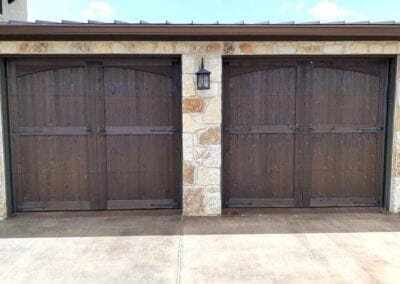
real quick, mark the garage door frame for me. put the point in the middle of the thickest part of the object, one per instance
(388, 119)
(10, 200)
(10, 192)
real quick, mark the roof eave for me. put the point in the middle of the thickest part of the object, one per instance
(199, 32)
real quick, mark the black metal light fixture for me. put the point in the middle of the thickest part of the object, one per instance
(203, 78)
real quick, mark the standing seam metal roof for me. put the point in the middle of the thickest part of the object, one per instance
(141, 22)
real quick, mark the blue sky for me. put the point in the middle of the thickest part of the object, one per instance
(206, 11)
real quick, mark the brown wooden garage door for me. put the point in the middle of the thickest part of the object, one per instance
(301, 133)
(95, 134)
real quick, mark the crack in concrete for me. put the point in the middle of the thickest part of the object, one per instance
(179, 258)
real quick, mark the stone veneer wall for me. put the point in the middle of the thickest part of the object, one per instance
(3, 188)
(202, 109)
(394, 199)
(3, 198)
(201, 123)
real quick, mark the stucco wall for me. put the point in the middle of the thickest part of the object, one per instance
(17, 11)
(202, 109)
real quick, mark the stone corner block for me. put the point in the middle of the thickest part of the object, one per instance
(188, 173)
(212, 135)
(208, 176)
(214, 47)
(394, 206)
(201, 201)
(3, 205)
(193, 105)
(209, 156)
(190, 63)
(213, 113)
(188, 85)
(190, 125)
(3, 213)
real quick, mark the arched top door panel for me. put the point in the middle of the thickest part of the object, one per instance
(348, 94)
(338, 81)
(49, 95)
(122, 81)
(371, 67)
(141, 98)
(266, 81)
(260, 96)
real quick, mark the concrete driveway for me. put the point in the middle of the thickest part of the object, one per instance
(301, 246)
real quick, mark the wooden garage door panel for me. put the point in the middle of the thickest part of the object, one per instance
(344, 97)
(259, 121)
(142, 125)
(348, 110)
(95, 134)
(147, 174)
(51, 98)
(50, 142)
(53, 167)
(263, 166)
(139, 98)
(343, 165)
(255, 97)
(304, 132)
(346, 131)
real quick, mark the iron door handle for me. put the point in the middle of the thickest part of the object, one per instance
(295, 128)
(102, 130)
(311, 128)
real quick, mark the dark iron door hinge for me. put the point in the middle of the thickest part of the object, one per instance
(371, 129)
(167, 204)
(237, 204)
(377, 202)
(162, 130)
(30, 207)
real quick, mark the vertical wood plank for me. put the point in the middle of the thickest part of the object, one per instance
(97, 88)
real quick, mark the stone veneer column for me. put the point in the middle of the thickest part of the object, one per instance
(3, 188)
(3, 199)
(201, 137)
(394, 205)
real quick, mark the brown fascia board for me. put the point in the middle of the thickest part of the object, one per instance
(198, 32)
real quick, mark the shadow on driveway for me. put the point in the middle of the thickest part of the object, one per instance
(169, 222)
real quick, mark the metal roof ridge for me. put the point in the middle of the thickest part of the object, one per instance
(217, 23)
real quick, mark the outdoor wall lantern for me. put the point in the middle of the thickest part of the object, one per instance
(203, 78)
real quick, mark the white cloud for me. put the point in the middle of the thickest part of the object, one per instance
(329, 11)
(98, 11)
(284, 8)
(289, 6)
(299, 6)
